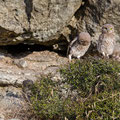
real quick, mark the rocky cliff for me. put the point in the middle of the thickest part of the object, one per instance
(45, 22)
(34, 21)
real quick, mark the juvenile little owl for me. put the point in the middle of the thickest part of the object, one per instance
(79, 46)
(106, 40)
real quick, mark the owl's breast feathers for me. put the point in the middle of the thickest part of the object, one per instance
(107, 38)
(106, 43)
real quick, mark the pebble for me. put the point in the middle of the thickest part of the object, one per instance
(21, 63)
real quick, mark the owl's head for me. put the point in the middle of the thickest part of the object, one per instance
(108, 28)
(84, 36)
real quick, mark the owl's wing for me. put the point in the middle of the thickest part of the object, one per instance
(101, 37)
(71, 44)
(115, 39)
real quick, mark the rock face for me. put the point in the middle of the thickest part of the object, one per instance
(92, 15)
(27, 66)
(13, 71)
(11, 102)
(34, 21)
(98, 13)
(43, 22)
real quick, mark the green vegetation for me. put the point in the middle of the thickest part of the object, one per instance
(45, 99)
(92, 89)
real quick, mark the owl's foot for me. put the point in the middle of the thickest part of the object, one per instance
(107, 56)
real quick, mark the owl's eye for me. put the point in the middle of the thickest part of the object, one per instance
(110, 28)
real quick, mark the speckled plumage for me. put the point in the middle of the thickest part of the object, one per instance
(106, 40)
(79, 46)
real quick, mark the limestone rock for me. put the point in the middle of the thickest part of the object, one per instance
(34, 21)
(38, 63)
(13, 78)
(20, 63)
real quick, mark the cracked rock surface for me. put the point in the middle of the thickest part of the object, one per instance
(34, 21)
(16, 69)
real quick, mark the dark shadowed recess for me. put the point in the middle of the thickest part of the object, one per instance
(25, 49)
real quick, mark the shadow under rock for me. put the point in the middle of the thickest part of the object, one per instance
(23, 50)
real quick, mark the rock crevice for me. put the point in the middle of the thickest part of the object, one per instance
(28, 8)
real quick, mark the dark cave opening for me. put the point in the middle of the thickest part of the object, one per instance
(20, 49)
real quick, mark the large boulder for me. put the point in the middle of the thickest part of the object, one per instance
(34, 21)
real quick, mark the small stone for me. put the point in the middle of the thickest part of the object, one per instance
(21, 63)
(2, 56)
